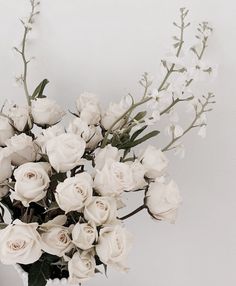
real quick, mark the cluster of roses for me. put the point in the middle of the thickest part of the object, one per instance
(90, 181)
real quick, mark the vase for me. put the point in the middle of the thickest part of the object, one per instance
(55, 282)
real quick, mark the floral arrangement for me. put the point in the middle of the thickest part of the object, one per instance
(64, 187)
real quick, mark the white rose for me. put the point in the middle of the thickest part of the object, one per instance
(3, 191)
(138, 173)
(113, 246)
(154, 161)
(31, 184)
(46, 111)
(20, 243)
(101, 210)
(56, 240)
(104, 154)
(5, 165)
(72, 193)
(48, 134)
(81, 267)
(65, 151)
(114, 111)
(84, 235)
(22, 149)
(6, 130)
(91, 134)
(114, 179)
(19, 115)
(163, 201)
(86, 99)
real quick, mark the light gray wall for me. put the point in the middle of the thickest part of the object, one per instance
(104, 46)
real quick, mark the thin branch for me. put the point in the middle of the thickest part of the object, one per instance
(133, 212)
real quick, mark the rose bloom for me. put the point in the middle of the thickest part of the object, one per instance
(154, 161)
(5, 165)
(104, 154)
(163, 201)
(56, 240)
(65, 151)
(84, 235)
(86, 99)
(22, 149)
(6, 130)
(113, 246)
(100, 210)
(20, 243)
(81, 267)
(46, 111)
(72, 193)
(114, 179)
(19, 115)
(32, 181)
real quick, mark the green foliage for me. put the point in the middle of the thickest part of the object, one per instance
(38, 93)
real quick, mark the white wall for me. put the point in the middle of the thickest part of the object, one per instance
(104, 46)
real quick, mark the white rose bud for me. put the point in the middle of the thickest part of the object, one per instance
(154, 161)
(65, 151)
(56, 240)
(5, 165)
(114, 179)
(6, 130)
(104, 154)
(31, 184)
(84, 235)
(46, 111)
(19, 115)
(113, 246)
(91, 134)
(163, 201)
(101, 210)
(20, 243)
(22, 149)
(81, 267)
(72, 193)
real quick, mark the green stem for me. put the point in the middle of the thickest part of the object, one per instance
(133, 212)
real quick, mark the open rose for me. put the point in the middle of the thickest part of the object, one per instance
(84, 235)
(81, 267)
(72, 193)
(22, 149)
(46, 111)
(65, 151)
(101, 210)
(32, 180)
(113, 246)
(5, 164)
(106, 154)
(19, 115)
(163, 201)
(154, 161)
(6, 130)
(20, 243)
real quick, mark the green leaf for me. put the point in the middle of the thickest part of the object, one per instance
(137, 133)
(3, 225)
(140, 115)
(39, 272)
(139, 141)
(38, 93)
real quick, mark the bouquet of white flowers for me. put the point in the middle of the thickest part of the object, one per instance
(63, 187)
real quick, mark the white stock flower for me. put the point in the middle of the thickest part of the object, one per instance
(56, 239)
(32, 181)
(84, 235)
(19, 115)
(81, 267)
(202, 131)
(46, 111)
(163, 201)
(101, 210)
(65, 151)
(104, 154)
(5, 165)
(6, 130)
(22, 149)
(113, 246)
(154, 161)
(20, 243)
(113, 179)
(72, 193)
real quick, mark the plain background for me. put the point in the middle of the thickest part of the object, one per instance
(103, 46)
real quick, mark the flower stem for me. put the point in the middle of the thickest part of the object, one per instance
(133, 212)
